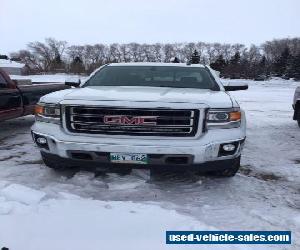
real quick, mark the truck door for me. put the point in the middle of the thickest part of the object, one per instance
(10, 100)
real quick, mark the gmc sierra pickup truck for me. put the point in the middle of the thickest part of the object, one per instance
(296, 105)
(160, 116)
(20, 100)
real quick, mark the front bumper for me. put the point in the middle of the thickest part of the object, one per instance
(100, 165)
(197, 151)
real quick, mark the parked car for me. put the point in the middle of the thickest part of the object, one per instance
(20, 100)
(158, 116)
(296, 105)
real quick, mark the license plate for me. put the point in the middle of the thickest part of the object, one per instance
(128, 158)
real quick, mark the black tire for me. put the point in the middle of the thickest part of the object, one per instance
(156, 171)
(50, 163)
(158, 174)
(230, 171)
(298, 117)
(121, 171)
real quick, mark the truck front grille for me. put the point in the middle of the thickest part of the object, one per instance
(132, 121)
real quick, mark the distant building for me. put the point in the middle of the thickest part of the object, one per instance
(12, 67)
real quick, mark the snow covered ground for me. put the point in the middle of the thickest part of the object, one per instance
(41, 209)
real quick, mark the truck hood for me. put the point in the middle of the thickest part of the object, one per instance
(214, 99)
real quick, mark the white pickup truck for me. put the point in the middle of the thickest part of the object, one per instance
(296, 105)
(159, 116)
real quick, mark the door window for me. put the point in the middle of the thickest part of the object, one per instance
(3, 82)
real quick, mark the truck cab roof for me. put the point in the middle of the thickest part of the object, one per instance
(157, 64)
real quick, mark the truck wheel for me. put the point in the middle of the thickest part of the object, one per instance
(121, 171)
(158, 174)
(298, 117)
(230, 171)
(50, 163)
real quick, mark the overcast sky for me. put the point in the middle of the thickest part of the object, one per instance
(108, 21)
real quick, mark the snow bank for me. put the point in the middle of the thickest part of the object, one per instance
(4, 63)
(69, 223)
(22, 194)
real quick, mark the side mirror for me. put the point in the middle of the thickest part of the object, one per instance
(235, 86)
(73, 82)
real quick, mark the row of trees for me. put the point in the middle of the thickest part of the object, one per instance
(279, 57)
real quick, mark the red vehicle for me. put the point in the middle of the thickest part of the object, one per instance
(17, 101)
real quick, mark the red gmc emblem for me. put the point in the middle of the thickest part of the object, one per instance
(133, 120)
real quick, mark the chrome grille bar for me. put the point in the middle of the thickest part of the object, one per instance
(168, 122)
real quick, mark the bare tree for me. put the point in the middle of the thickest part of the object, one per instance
(56, 47)
(28, 58)
(157, 51)
(42, 53)
(115, 53)
(236, 60)
(134, 50)
(47, 53)
(125, 52)
(169, 52)
(74, 51)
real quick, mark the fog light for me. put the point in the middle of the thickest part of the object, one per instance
(41, 140)
(228, 147)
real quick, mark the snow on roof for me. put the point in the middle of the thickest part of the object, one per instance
(10, 64)
(156, 64)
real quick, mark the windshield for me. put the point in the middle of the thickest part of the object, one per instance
(154, 76)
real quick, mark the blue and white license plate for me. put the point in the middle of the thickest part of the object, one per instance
(129, 158)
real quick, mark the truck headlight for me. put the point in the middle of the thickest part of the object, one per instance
(223, 118)
(46, 112)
